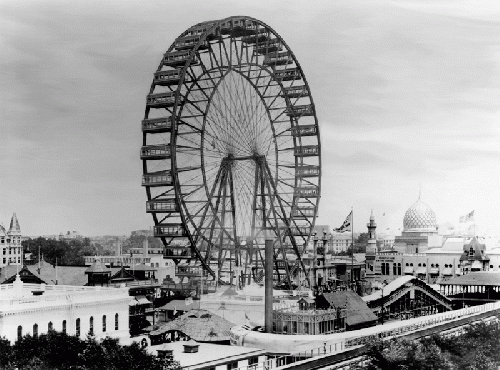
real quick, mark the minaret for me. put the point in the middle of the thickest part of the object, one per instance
(371, 248)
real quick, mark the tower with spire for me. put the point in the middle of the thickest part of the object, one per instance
(11, 250)
(371, 247)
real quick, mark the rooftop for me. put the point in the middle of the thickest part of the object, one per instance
(208, 355)
(200, 325)
(481, 278)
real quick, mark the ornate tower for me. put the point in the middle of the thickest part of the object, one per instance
(371, 247)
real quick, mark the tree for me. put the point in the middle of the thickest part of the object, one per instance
(56, 350)
(477, 349)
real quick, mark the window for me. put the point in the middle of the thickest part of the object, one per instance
(432, 265)
(232, 365)
(78, 327)
(399, 269)
(116, 322)
(91, 325)
(19, 332)
(253, 361)
(394, 269)
(35, 330)
(104, 323)
(471, 252)
(64, 327)
(423, 264)
(50, 326)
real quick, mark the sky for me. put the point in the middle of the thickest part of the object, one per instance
(407, 95)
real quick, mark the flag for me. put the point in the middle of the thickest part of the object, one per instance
(347, 225)
(468, 217)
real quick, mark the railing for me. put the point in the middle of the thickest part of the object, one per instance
(357, 342)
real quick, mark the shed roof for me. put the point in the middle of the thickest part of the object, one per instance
(200, 325)
(357, 310)
(179, 305)
(484, 278)
(49, 274)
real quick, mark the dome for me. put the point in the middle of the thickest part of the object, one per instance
(419, 216)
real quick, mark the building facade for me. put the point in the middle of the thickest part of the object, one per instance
(11, 250)
(37, 308)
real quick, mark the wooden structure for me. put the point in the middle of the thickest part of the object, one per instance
(472, 289)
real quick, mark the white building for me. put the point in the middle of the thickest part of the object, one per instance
(35, 309)
(11, 251)
(340, 242)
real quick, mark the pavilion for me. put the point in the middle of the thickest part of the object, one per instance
(472, 289)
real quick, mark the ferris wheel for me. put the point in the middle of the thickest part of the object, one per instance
(231, 150)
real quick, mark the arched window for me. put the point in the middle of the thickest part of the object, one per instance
(78, 327)
(471, 252)
(91, 325)
(35, 330)
(423, 265)
(19, 332)
(399, 268)
(116, 322)
(432, 265)
(407, 264)
(419, 264)
(394, 269)
(64, 327)
(104, 323)
(50, 326)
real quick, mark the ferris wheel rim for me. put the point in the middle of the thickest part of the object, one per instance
(177, 110)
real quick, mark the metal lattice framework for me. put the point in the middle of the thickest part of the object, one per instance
(231, 150)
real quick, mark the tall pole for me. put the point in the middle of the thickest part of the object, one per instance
(268, 304)
(352, 246)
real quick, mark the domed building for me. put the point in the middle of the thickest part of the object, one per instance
(420, 230)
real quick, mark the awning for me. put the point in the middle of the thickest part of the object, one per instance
(140, 299)
(447, 271)
(408, 270)
(434, 271)
(421, 271)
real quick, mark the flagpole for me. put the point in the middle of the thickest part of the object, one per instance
(352, 245)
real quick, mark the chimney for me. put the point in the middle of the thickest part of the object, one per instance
(145, 247)
(268, 292)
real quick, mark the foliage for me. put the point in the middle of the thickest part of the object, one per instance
(65, 252)
(477, 349)
(56, 350)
